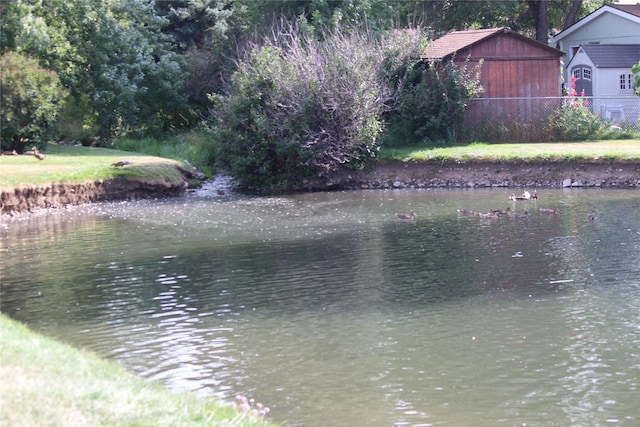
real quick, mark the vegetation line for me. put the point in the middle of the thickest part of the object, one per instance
(627, 150)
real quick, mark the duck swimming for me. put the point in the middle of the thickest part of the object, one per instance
(410, 216)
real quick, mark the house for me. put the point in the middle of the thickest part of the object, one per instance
(516, 72)
(603, 71)
(600, 50)
(611, 24)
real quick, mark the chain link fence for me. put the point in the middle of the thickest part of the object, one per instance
(549, 118)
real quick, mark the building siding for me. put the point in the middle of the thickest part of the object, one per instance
(513, 68)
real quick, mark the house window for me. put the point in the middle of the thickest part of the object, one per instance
(626, 82)
(576, 73)
(586, 74)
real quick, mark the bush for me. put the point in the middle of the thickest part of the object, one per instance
(32, 98)
(429, 107)
(575, 121)
(301, 109)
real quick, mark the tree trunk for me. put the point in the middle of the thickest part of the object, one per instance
(538, 9)
(572, 14)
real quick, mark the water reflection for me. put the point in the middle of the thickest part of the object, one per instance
(324, 305)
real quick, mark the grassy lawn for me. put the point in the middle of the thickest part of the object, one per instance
(627, 150)
(83, 164)
(44, 382)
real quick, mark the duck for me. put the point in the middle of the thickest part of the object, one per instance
(549, 211)
(410, 216)
(465, 212)
(512, 214)
(120, 163)
(525, 196)
(37, 154)
(489, 215)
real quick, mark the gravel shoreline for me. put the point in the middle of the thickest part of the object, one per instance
(488, 174)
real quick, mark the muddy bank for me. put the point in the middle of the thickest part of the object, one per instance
(29, 198)
(385, 175)
(479, 174)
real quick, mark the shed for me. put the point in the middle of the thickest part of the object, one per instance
(517, 74)
(513, 65)
(603, 71)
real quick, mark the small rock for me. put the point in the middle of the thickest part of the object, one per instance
(566, 183)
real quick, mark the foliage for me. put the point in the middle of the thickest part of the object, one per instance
(636, 78)
(429, 107)
(299, 108)
(195, 146)
(32, 98)
(576, 121)
(111, 53)
(195, 23)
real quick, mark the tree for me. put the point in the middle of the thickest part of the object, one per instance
(31, 100)
(113, 56)
(636, 78)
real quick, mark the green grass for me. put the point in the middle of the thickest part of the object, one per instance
(83, 164)
(44, 382)
(628, 150)
(196, 146)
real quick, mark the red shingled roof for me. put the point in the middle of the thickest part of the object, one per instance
(455, 41)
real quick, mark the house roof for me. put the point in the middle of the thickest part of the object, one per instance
(613, 55)
(456, 41)
(627, 11)
(632, 9)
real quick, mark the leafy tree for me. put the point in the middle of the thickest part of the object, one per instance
(195, 23)
(31, 100)
(113, 52)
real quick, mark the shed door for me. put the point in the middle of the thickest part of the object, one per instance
(583, 75)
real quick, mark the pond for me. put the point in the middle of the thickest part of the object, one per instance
(332, 311)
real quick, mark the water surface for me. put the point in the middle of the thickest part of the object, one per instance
(333, 312)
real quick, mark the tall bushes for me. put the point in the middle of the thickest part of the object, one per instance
(300, 109)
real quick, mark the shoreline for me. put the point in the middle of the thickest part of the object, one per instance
(384, 175)
(29, 198)
(494, 174)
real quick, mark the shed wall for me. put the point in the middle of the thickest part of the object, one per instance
(513, 68)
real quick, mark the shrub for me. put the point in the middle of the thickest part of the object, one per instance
(32, 98)
(575, 121)
(429, 107)
(300, 108)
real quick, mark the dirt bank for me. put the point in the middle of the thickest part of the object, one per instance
(473, 174)
(385, 175)
(29, 198)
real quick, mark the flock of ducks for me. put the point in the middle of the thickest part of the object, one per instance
(509, 213)
(498, 213)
